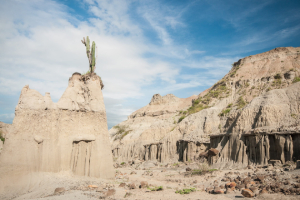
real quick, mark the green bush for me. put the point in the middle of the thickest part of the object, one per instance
(1, 137)
(296, 79)
(229, 105)
(241, 102)
(185, 191)
(181, 118)
(122, 163)
(225, 112)
(276, 82)
(184, 112)
(156, 188)
(122, 132)
(277, 76)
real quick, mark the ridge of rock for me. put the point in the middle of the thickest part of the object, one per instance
(70, 135)
(259, 94)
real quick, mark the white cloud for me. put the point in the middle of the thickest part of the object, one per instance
(40, 46)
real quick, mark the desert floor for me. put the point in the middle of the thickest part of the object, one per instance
(172, 178)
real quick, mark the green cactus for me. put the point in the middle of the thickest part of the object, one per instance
(93, 56)
(87, 46)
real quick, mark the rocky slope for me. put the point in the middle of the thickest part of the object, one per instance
(258, 97)
(70, 135)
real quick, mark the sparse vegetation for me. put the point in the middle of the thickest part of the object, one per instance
(181, 118)
(277, 76)
(218, 91)
(122, 163)
(185, 191)
(296, 79)
(229, 105)
(276, 82)
(173, 129)
(156, 188)
(202, 170)
(122, 132)
(253, 87)
(293, 115)
(225, 112)
(241, 102)
(247, 84)
(128, 194)
(1, 137)
(184, 112)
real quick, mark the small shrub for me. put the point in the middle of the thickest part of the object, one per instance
(277, 76)
(293, 115)
(276, 82)
(196, 102)
(247, 85)
(156, 188)
(180, 112)
(184, 112)
(211, 170)
(1, 137)
(173, 129)
(185, 191)
(122, 163)
(181, 118)
(225, 112)
(253, 87)
(296, 79)
(241, 102)
(229, 105)
(122, 132)
(128, 194)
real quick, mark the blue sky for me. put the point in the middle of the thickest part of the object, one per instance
(144, 46)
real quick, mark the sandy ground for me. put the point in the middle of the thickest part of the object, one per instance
(170, 178)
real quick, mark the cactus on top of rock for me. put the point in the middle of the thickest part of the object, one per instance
(91, 53)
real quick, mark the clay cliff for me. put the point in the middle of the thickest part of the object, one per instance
(70, 135)
(250, 116)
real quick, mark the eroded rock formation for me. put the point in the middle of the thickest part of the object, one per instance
(259, 95)
(70, 135)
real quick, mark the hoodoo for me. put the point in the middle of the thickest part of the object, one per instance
(70, 135)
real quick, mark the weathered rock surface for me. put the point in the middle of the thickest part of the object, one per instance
(250, 116)
(70, 135)
(141, 136)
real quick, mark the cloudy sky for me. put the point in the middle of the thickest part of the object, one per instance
(144, 46)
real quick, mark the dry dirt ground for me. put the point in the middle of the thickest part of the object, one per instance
(172, 178)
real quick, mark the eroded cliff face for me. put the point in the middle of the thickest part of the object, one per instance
(142, 136)
(70, 135)
(259, 92)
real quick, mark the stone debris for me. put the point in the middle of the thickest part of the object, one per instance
(247, 193)
(59, 190)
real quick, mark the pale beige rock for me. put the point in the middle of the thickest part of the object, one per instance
(264, 81)
(70, 135)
